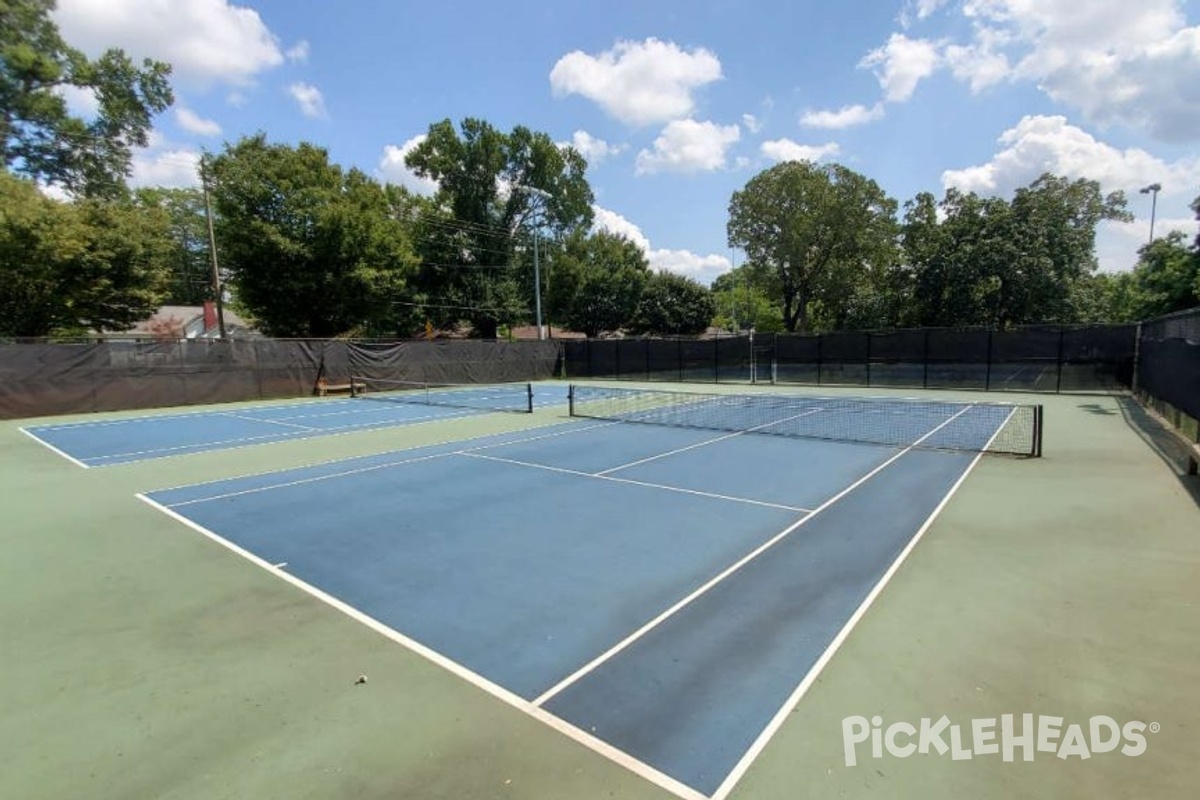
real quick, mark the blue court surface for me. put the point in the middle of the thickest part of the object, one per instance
(108, 442)
(663, 595)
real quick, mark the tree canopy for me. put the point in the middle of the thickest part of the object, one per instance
(311, 250)
(493, 188)
(39, 137)
(816, 227)
(674, 305)
(597, 282)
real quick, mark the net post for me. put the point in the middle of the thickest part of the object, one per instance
(1037, 430)
(571, 400)
(529, 397)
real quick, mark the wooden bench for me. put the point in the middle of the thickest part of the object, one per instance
(324, 388)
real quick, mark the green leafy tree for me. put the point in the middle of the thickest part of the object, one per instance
(69, 268)
(40, 138)
(673, 305)
(598, 281)
(1167, 277)
(817, 227)
(490, 194)
(311, 250)
(191, 267)
(744, 299)
(990, 261)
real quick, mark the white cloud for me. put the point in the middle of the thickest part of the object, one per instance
(844, 117)
(901, 64)
(165, 164)
(205, 41)
(1039, 144)
(751, 123)
(80, 102)
(638, 82)
(298, 53)
(312, 104)
(393, 169)
(237, 99)
(591, 148)
(686, 145)
(604, 219)
(192, 122)
(1118, 62)
(917, 10)
(787, 150)
(683, 262)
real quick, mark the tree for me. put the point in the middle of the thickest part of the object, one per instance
(191, 267)
(598, 281)
(817, 227)
(310, 250)
(68, 268)
(39, 136)
(673, 305)
(743, 298)
(1167, 277)
(488, 191)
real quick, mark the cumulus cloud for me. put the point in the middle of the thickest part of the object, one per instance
(901, 64)
(787, 150)
(686, 145)
(309, 98)
(165, 164)
(638, 83)
(751, 123)
(1039, 144)
(593, 149)
(192, 122)
(298, 53)
(392, 168)
(1117, 62)
(205, 41)
(703, 268)
(844, 117)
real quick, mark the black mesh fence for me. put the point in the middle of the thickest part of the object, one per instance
(1168, 369)
(43, 378)
(1038, 359)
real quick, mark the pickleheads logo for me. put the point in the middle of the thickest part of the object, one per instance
(1028, 734)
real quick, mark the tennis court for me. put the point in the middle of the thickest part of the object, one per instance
(128, 439)
(662, 594)
(716, 545)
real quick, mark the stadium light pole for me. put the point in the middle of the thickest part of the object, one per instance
(1152, 190)
(218, 290)
(537, 274)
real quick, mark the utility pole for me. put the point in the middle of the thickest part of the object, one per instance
(1152, 190)
(212, 249)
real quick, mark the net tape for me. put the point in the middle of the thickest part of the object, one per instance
(514, 397)
(932, 424)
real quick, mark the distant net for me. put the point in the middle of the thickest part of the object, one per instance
(515, 397)
(934, 424)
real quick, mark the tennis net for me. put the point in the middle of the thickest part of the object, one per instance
(934, 424)
(516, 397)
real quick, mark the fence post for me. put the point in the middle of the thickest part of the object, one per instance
(617, 350)
(679, 356)
(1062, 335)
(819, 359)
(717, 358)
(647, 358)
(925, 361)
(868, 358)
(987, 379)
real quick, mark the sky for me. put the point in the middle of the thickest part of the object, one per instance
(677, 105)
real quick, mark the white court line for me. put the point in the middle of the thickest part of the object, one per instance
(602, 477)
(819, 665)
(271, 438)
(497, 691)
(370, 468)
(170, 415)
(231, 415)
(725, 573)
(53, 449)
(707, 442)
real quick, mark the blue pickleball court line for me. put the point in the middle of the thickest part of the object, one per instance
(120, 441)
